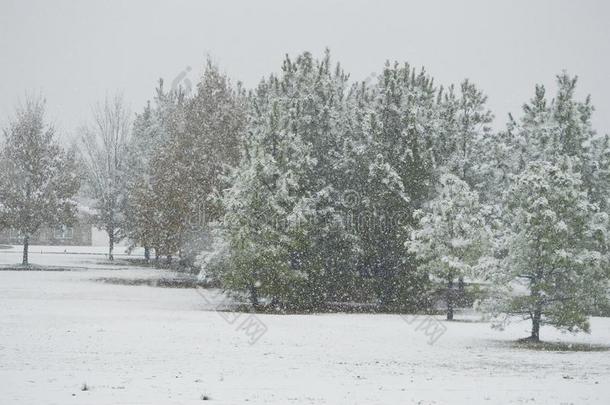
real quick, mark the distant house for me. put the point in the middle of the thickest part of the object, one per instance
(79, 233)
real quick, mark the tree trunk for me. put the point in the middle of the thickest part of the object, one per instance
(450, 299)
(536, 299)
(535, 337)
(461, 293)
(183, 259)
(26, 247)
(253, 297)
(146, 254)
(386, 293)
(111, 244)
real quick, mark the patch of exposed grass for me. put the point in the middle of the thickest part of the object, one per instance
(35, 267)
(559, 346)
(468, 321)
(154, 282)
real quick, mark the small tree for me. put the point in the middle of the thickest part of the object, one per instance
(557, 249)
(37, 180)
(104, 156)
(451, 236)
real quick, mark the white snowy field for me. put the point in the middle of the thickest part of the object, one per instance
(150, 345)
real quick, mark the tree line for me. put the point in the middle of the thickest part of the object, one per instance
(312, 191)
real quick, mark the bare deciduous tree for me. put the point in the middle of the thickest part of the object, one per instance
(103, 151)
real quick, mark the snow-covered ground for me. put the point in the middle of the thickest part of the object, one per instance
(147, 345)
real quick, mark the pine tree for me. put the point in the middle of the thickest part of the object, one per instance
(166, 189)
(209, 147)
(556, 250)
(552, 129)
(38, 180)
(400, 132)
(150, 133)
(600, 172)
(451, 237)
(465, 138)
(281, 211)
(204, 137)
(139, 208)
(463, 132)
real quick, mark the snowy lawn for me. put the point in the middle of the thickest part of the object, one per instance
(130, 344)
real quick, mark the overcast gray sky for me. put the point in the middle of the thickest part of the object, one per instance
(74, 52)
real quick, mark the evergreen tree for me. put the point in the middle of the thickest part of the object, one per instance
(141, 219)
(463, 132)
(207, 149)
(204, 136)
(600, 172)
(166, 189)
(451, 236)
(400, 132)
(557, 250)
(552, 129)
(282, 214)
